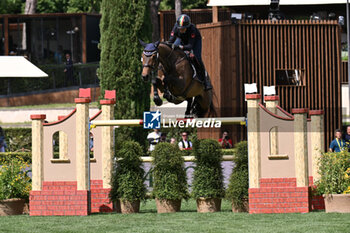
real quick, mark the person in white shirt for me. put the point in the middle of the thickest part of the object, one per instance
(153, 139)
(184, 144)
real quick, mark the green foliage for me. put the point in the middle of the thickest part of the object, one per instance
(228, 151)
(18, 139)
(78, 6)
(14, 181)
(52, 6)
(123, 22)
(11, 6)
(186, 4)
(127, 179)
(8, 156)
(237, 190)
(207, 176)
(170, 181)
(241, 154)
(333, 168)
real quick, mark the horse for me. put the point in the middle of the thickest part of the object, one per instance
(176, 78)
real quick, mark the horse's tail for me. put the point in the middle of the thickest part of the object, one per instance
(212, 111)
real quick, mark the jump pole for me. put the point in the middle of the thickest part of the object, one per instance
(136, 122)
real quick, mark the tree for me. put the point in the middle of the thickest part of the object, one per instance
(178, 8)
(30, 7)
(78, 6)
(186, 4)
(11, 6)
(52, 6)
(123, 22)
(154, 7)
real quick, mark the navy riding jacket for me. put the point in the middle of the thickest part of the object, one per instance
(188, 39)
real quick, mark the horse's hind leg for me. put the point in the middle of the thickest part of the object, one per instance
(188, 108)
(157, 100)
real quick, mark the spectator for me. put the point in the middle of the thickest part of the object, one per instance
(2, 141)
(153, 138)
(225, 141)
(172, 140)
(338, 144)
(347, 137)
(58, 54)
(91, 142)
(162, 137)
(184, 144)
(69, 71)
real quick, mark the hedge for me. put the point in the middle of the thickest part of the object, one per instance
(18, 139)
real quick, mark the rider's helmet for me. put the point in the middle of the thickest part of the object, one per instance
(184, 21)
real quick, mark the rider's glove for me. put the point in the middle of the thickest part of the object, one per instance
(181, 47)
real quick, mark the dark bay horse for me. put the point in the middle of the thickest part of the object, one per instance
(174, 77)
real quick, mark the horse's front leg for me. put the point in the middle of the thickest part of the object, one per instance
(157, 100)
(188, 108)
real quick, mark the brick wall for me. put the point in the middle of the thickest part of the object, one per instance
(59, 198)
(279, 195)
(63, 198)
(99, 198)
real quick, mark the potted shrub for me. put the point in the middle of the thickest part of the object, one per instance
(127, 179)
(237, 191)
(169, 176)
(335, 181)
(207, 186)
(15, 185)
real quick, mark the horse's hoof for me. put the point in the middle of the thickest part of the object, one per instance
(167, 96)
(158, 101)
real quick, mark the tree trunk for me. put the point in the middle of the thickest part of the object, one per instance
(30, 7)
(178, 8)
(154, 19)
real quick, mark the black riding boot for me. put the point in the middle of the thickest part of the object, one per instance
(204, 76)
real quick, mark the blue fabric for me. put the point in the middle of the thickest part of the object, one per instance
(150, 47)
(335, 147)
(177, 41)
(197, 48)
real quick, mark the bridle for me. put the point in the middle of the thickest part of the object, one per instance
(149, 54)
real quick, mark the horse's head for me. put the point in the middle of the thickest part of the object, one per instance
(150, 60)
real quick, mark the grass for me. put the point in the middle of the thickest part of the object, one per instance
(185, 221)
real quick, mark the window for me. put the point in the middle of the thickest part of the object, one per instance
(290, 77)
(60, 145)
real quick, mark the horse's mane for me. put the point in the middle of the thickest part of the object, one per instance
(169, 45)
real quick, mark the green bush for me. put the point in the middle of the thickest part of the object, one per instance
(208, 177)
(127, 180)
(14, 181)
(237, 190)
(8, 156)
(18, 139)
(334, 172)
(228, 151)
(170, 181)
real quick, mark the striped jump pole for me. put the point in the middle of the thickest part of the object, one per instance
(139, 122)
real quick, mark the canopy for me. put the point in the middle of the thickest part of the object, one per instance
(19, 67)
(267, 2)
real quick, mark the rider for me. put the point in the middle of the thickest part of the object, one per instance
(187, 37)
